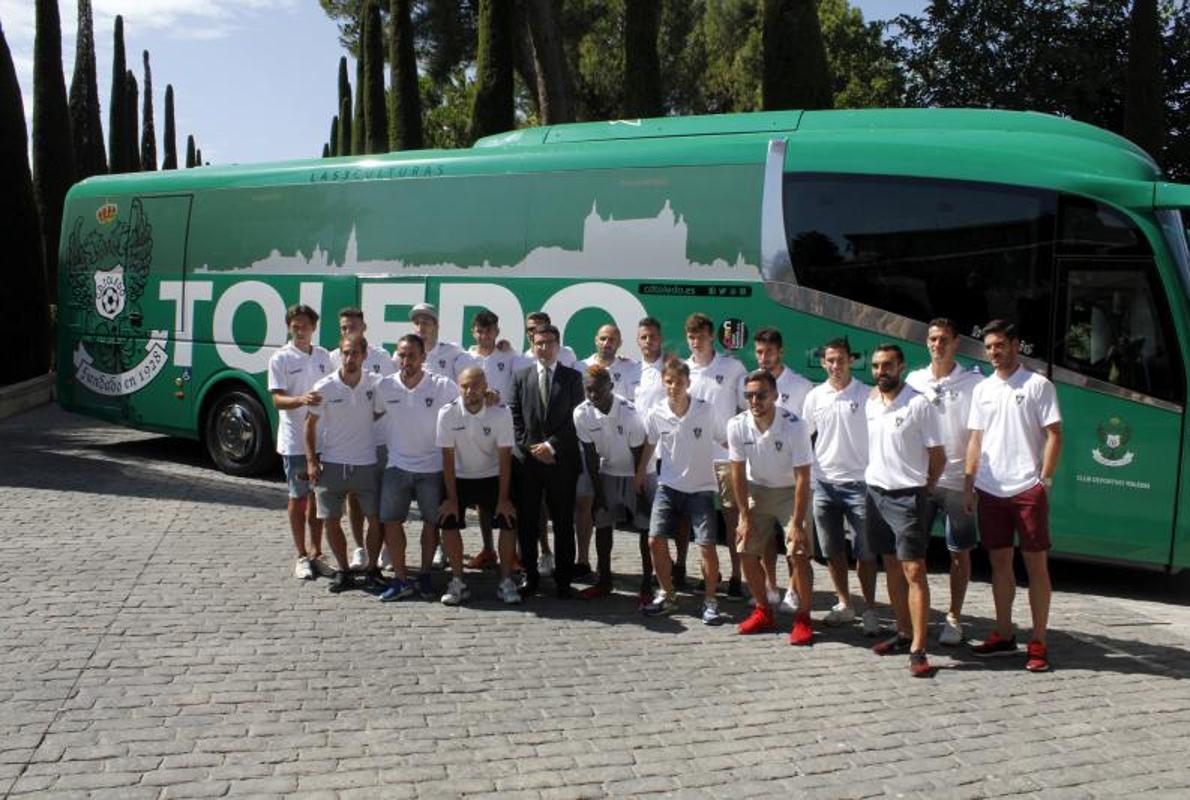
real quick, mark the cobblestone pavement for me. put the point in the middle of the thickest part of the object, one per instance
(157, 646)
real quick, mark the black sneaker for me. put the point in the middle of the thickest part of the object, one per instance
(892, 645)
(341, 581)
(734, 590)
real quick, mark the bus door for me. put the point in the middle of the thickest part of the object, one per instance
(1119, 374)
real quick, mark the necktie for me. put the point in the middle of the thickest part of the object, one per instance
(544, 388)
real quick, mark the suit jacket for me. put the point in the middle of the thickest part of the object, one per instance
(556, 425)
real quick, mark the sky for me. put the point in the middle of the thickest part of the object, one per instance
(254, 80)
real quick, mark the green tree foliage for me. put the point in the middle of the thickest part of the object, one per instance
(24, 306)
(447, 105)
(198, 162)
(358, 136)
(117, 126)
(342, 147)
(375, 110)
(53, 153)
(326, 150)
(493, 109)
(642, 64)
(1144, 108)
(148, 142)
(334, 138)
(86, 129)
(863, 65)
(170, 140)
(795, 74)
(405, 131)
(190, 152)
(131, 118)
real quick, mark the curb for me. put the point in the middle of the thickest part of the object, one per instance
(20, 397)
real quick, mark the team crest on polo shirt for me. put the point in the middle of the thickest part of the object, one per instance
(620, 429)
(615, 376)
(1020, 397)
(698, 433)
(429, 402)
(854, 406)
(487, 430)
(442, 363)
(779, 445)
(500, 365)
(368, 393)
(898, 420)
(784, 397)
(719, 379)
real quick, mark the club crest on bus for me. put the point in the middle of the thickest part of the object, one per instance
(109, 292)
(1114, 435)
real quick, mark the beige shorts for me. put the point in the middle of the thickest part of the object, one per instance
(770, 510)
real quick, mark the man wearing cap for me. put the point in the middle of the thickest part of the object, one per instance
(442, 358)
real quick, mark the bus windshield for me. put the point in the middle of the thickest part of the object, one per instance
(1177, 236)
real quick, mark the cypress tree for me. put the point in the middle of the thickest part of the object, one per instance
(131, 119)
(117, 143)
(1144, 106)
(334, 140)
(148, 142)
(404, 128)
(24, 307)
(342, 146)
(357, 121)
(170, 144)
(198, 157)
(53, 151)
(189, 151)
(326, 150)
(375, 104)
(492, 109)
(86, 128)
(796, 74)
(642, 64)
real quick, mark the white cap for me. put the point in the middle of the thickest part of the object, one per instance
(424, 308)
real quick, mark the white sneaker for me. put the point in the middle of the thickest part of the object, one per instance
(545, 565)
(358, 560)
(302, 570)
(386, 561)
(322, 567)
(439, 558)
(871, 622)
(508, 593)
(789, 602)
(952, 631)
(839, 615)
(456, 593)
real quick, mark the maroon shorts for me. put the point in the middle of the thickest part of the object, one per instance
(1026, 514)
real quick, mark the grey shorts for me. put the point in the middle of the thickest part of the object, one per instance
(400, 488)
(340, 479)
(960, 526)
(835, 503)
(896, 523)
(295, 466)
(622, 507)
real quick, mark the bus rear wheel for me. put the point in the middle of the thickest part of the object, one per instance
(237, 433)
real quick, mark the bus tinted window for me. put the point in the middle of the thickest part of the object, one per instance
(1089, 228)
(925, 248)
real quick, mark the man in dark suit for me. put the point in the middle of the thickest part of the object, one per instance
(544, 396)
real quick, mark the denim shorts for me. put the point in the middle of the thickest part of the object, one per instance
(960, 526)
(834, 502)
(670, 504)
(339, 480)
(295, 466)
(896, 523)
(399, 488)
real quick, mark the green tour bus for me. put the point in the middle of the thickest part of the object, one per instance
(867, 223)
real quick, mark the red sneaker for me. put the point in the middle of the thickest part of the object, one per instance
(919, 665)
(483, 559)
(803, 632)
(996, 645)
(760, 620)
(595, 592)
(1038, 660)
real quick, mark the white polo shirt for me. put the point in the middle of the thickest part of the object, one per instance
(345, 418)
(476, 438)
(411, 420)
(448, 359)
(498, 367)
(719, 384)
(841, 449)
(614, 434)
(686, 445)
(650, 389)
(771, 456)
(898, 435)
(625, 373)
(951, 398)
(377, 362)
(1013, 415)
(294, 373)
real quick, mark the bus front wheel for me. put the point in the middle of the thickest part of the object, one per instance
(237, 433)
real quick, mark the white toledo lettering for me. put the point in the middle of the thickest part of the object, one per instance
(625, 309)
(455, 298)
(375, 298)
(184, 300)
(120, 383)
(223, 325)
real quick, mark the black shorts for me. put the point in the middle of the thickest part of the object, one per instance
(484, 494)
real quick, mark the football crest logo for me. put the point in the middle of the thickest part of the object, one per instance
(487, 430)
(779, 445)
(429, 402)
(698, 433)
(1114, 435)
(109, 291)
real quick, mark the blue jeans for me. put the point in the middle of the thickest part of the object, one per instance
(834, 502)
(670, 504)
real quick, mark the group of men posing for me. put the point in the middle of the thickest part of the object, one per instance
(661, 446)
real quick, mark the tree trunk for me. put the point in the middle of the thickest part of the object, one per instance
(1144, 106)
(554, 88)
(642, 64)
(492, 110)
(24, 307)
(53, 151)
(148, 142)
(375, 103)
(796, 74)
(86, 128)
(117, 144)
(170, 144)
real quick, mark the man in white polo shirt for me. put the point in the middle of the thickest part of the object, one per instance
(835, 412)
(686, 433)
(715, 377)
(442, 358)
(347, 460)
(476, 441)
(792, 389)
(293, 371)
(612, 437)
(905, 459)
(770, 478)
(1016, 437)
(376, 362)
(411, 399)
(949, 388)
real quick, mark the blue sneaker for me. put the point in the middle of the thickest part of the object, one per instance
(397, 590)
(424, 587)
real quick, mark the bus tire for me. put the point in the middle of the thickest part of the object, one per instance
(236, 433)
